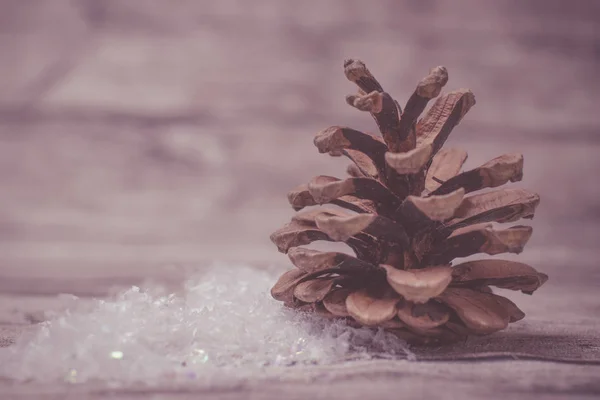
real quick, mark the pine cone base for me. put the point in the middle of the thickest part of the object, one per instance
(407, 211)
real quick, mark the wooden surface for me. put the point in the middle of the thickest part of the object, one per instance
(135, 140)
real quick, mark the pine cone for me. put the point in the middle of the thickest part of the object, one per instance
(405, 212)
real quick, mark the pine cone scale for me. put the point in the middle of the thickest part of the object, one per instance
(442, 117)
(445, 165)
(496, 172)
(477, 310)
(369, 309)
(335, 139)
(423, 316)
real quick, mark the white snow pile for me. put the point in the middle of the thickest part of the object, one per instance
(223, 324)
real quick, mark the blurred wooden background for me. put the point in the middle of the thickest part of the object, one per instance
(140, 135)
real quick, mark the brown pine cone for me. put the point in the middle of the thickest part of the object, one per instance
(406, 211)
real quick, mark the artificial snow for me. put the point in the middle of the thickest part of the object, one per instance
(222, 325)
